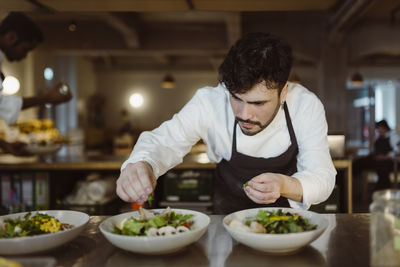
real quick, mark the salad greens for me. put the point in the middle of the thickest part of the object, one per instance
(28, 226)
(139, 227)
(278, 222)
(245, 184)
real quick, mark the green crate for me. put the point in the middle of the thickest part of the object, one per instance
(190, 185)
(331, 205)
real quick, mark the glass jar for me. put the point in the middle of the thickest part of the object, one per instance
(385, 228)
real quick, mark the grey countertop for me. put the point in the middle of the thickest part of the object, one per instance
(344, 243)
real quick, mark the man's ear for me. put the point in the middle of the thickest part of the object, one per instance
(284, 91)
(11, 37)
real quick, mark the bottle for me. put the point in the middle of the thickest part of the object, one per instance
(385, 228)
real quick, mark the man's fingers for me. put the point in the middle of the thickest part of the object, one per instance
(261, 197)
(121, 193)
(262, 187)
(136, 182)
(146, 181)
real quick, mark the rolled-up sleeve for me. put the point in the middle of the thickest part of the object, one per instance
(316, 171)
(164, 147)
(10, 107)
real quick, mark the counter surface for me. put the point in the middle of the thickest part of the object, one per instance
(344, 243)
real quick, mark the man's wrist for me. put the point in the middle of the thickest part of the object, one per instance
(291, 188)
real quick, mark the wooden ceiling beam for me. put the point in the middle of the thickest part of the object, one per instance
(262, 5)
(17, 5)
(116, 5)
(347, 13)
(128, 31)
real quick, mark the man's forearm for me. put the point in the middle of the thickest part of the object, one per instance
(292, 189)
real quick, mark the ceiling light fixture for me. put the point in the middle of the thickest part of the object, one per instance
(357, 79)
(72, 26)
(168, 82)
(136, 100)
(10, 85)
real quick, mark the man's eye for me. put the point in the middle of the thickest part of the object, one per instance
(258, 103)
(235, 97)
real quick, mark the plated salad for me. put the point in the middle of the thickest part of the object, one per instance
(31, 225)
(273, 222)
(150, 223)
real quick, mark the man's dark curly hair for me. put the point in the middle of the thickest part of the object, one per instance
(23, 26)
(255, 58)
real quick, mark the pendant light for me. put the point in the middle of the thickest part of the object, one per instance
(357, 79)
(168, 82)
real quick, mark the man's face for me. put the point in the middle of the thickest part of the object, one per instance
(255, 109)
(18, 50)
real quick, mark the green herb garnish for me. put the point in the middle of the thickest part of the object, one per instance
(245, 185)
(150, 199)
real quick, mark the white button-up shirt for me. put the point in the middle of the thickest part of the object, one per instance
(209, 116)
(10, 106)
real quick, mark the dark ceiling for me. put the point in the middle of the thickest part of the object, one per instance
(186, 34)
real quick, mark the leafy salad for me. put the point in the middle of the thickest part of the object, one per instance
(31, 225)
(274, 222)
(150, 223)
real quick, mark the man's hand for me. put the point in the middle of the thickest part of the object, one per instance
(266, 188)
(136, 182)
(58, 94)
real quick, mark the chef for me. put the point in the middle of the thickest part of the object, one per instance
(267, 135)
(18, 36)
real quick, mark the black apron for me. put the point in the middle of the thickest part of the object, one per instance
(229, 195)
(382, 146)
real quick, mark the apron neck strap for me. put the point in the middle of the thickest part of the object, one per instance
(288, 123)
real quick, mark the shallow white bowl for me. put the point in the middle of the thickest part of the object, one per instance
(38, 243)
(276, 243)
(43, 149)
(155, 244)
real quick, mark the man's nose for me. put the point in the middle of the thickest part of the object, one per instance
(245, 112)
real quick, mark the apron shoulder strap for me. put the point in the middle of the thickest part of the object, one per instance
(289, 124)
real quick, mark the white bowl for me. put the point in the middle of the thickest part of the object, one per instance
(276, 243)
(155, 244)
(43, 149)
(38, 243)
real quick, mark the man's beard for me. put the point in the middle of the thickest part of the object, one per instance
(262, 127)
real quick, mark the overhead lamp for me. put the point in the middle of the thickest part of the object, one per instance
(357, 79)
(168, 82)
(10, 85)
(136, 100)
(48, 73)
(72, 26)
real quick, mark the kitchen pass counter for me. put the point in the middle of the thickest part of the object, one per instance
(344, 243)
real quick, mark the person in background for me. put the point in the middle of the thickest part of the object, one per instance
(380, 159)
(267, 135)
(18, 36)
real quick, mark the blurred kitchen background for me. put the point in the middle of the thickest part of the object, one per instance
(132, 64)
